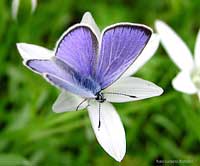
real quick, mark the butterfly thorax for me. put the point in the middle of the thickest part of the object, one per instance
(100, 97)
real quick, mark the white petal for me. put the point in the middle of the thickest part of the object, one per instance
(146, 54)
(34, 5)
(111, 134)
(30, 51)
(131, 89)
(198, 94)
(175, 47)
(197, 50)
(67, 101)
(88, 19)
(183, 83)
(15, 8)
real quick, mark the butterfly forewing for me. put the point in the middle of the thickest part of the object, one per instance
(78, 48)
(121, 44)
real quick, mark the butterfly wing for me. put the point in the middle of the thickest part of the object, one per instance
(72, 66)
(78, 49)
(120, 45)
(63, 76)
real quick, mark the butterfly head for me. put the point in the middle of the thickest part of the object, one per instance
(100, 97)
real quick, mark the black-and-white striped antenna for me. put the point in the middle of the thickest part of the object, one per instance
(99, 125)
(122, 94)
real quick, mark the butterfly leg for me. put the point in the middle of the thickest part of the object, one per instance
(81, 104)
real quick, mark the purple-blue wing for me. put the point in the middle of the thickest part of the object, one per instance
(120, 46)
(76, 87)
(78, 49)
(72, 68)
(63, 76)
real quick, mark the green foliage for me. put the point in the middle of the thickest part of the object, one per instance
(162, 128)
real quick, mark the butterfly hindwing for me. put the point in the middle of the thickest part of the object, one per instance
(61, 75)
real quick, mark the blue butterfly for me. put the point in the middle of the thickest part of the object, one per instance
(92, 69)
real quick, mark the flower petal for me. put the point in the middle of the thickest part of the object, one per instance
(175, 47)
(146, 54)
(15, 8)
(89, 20)
(34, 5)
(131, 89)
(67, 101)
(198, 94)
(197, 50)
(30, 51)
(111, 134)
(183, 83)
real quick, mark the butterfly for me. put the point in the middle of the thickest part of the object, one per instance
(91, 67)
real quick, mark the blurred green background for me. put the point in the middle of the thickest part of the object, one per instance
(161, 128)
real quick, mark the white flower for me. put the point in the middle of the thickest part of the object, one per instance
(16, 4)
(111, 134)
(188, 80)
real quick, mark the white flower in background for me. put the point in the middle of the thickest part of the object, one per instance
(105, 120)
(16, 4)
(188, 80)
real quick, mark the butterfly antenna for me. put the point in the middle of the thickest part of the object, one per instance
(87, 106)
(88, 103)
(99, 125)
(123, 94)
(80, 104)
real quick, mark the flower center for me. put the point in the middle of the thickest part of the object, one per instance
(196, 77)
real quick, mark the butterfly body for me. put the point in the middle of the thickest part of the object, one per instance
(100, 97)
